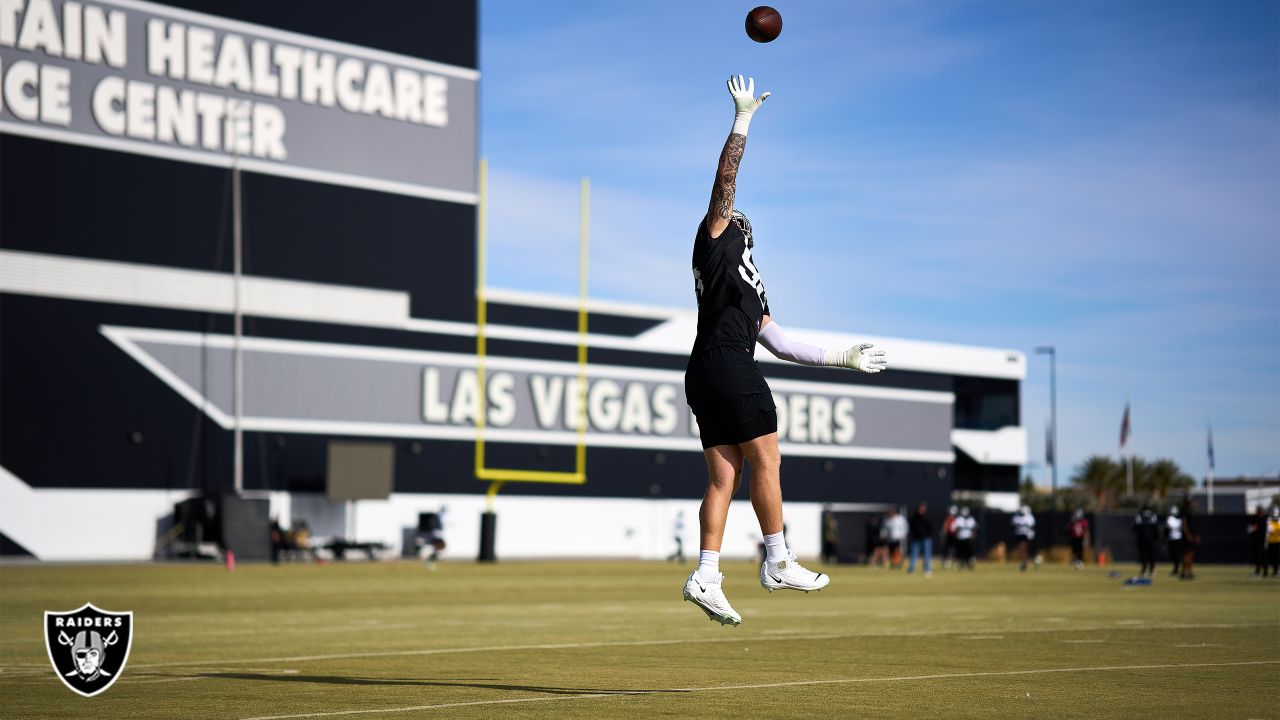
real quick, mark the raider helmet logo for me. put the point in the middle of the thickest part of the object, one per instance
(88, 647)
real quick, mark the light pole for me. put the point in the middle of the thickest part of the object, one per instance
(1053, 414)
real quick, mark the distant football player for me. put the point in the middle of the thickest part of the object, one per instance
(966, 527)
(897, 529)
(1273, 542)
(949, 536)
(1190, 538)
(1257, 530)
(736, 416)
(677, 532)
(1078, 532)
(920, 534)
(1024, 531)
(1173, 532)
(1146, 528)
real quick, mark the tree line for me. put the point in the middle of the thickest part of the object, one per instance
(1100, 484)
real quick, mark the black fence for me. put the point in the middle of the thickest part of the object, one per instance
(1223, 537)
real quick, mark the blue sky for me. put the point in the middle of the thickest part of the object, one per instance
(1099, 176)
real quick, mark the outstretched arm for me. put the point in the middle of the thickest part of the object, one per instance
(722, 193)
(859, 357)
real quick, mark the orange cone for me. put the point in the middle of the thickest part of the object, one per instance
(231, 561)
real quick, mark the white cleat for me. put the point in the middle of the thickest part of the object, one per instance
(710, 598)
(791, 575)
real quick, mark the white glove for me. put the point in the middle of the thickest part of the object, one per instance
(745, 102)
(859, 357)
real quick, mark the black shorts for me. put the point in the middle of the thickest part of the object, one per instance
(729, 396)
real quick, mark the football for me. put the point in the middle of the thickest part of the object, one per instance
(764, 24)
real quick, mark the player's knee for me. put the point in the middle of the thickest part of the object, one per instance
(768, 466)
(722, 482)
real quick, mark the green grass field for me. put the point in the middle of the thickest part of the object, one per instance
(599, 640)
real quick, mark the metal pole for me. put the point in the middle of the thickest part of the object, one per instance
(1052, 352)
(1129, 474)
(1210, 490)
(1053, 414)
(1210, 476)
(238, 354)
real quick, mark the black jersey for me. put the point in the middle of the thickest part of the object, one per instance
(731, 297)
(1146, 524)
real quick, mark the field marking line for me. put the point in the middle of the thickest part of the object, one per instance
(764, 686)
(149, 681)
(249, 631)
(506, 701)
(646, 643)
(642, 643)
(168, 677)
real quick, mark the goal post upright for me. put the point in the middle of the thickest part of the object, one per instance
(499, 476)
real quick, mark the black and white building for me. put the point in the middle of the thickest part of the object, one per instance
(117, 393)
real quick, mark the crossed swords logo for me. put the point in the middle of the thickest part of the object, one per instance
(88, 650)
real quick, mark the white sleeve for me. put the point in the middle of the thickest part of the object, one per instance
(776, 341)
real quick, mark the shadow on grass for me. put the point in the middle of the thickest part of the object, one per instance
(415, 682)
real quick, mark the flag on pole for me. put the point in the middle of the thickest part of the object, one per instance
(1124, 427)
(1211, 447)
(1208, 481)
(1048, 443)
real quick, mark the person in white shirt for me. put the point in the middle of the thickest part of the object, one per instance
(896, 527)
(1024, 530)
(966, 528)
(1173, 531)
(678, 535)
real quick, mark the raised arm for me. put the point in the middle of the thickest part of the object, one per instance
(722, 192)
(859, 357)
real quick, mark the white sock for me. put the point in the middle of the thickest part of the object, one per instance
(775, 547)
(709, 566)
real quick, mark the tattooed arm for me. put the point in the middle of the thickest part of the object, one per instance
(726, 184)
(722, 193)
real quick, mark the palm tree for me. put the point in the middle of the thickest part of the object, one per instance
(1102, 477)
(1166, 477)
(1143, 480)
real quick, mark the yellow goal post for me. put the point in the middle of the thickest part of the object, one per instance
(499, 476)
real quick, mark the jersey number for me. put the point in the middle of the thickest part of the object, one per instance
(751, 275)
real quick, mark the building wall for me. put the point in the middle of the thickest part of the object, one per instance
(115, 324)
(39, 521)
(78, 413)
